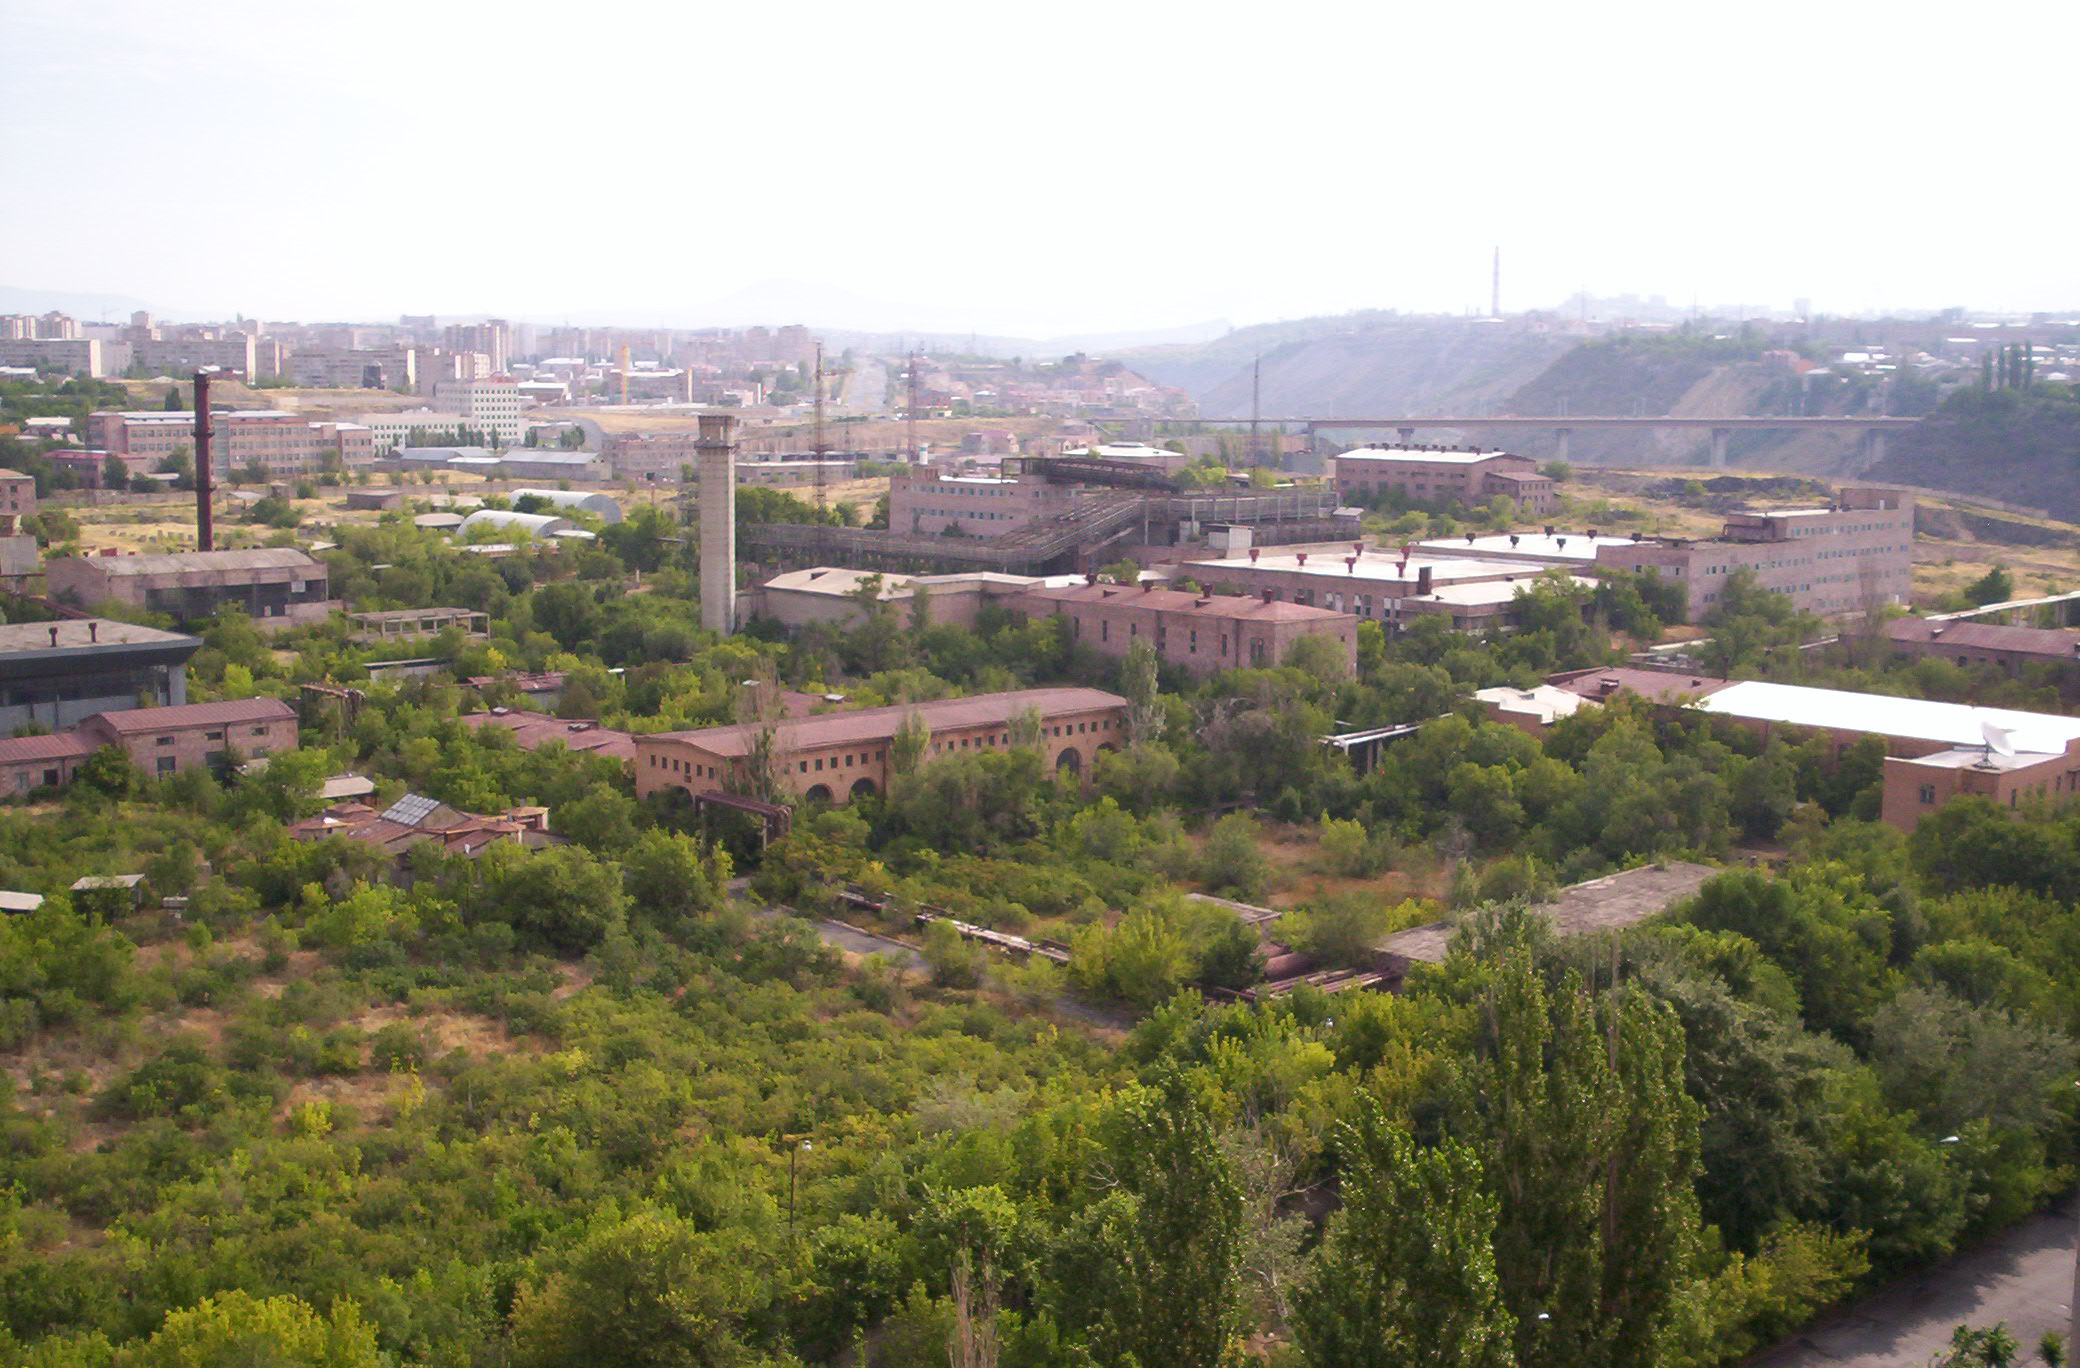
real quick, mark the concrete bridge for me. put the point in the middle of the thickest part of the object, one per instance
(1872, 430)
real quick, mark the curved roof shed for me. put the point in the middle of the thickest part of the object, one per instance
(598, 505)
(505, 520)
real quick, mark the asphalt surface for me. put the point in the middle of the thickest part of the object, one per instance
(2023, 1277)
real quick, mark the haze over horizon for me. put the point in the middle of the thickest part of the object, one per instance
(1077, 170)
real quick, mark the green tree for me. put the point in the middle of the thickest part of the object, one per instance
(1233, 862)
(1152, 1269)
(1576, 1104)
(1995, 586)
(114, 473)
(1405, 1275)
(908, 747)
(1137, 680)
(651, 1291)
(234, 1330)
(109, 772)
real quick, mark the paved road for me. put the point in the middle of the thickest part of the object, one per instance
(2023, 1277)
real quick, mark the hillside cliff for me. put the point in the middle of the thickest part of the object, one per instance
(2003, 444)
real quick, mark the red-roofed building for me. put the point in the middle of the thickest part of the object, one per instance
(165, 741)
(28, 763)
(414, 821)
(834, 757)
(533, 730)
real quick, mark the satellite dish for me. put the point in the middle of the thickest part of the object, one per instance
(1999, 740)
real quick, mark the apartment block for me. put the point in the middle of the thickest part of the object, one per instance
(1444, 475)
(836, 757)
(1200, 633)
(353, 368)
(71, 355)
(491, 406)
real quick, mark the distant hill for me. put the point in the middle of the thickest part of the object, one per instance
(81, 304)
(1354, 365)
(2003, 444)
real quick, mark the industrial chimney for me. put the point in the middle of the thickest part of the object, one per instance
(717, 449)
(1423, 579)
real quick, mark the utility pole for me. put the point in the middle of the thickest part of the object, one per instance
(1256, 394)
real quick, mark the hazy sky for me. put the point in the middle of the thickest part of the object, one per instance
(1031, 168)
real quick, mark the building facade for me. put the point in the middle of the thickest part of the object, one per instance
(1856, 555)
(927, 503)
(1443, 475)
(58, 674)
(2015, 651)
(275, 586)
(1386, 587)
(836, 757)
(287, 445)
(1199, 633)
(163, 741)
(490, 406)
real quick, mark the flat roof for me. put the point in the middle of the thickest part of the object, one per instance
(1373, 565)
(1610, 903)
(1953, 724)
(1567, 546)
(77, 633)
(1433, 455)
(1490, 591)
(1544, 701)
(201, 562)
(879, 724)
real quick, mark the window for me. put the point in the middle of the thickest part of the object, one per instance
(165, 740)
(213, 736)
(1928, 795)
(167, 764)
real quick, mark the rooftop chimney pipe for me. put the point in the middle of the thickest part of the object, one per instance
(1423, 579)
(54, 634)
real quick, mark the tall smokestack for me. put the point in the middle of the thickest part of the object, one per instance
(205, 529)
(718, 461)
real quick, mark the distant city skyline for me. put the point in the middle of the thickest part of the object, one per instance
(1073, 170)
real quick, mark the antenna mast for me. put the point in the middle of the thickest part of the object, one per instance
(1495, 289)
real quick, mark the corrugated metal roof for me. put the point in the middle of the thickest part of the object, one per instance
(22, 750)
(881, 724)
(2048, 642)
(191, 562)
(132, 721)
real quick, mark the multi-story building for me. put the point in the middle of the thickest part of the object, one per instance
(926, 502)
(74, 355)
(493, 337)
(57, 674)
(392, 368)
(285, 444)
(275, 586)
(1200, 633)
(836, 757)
(491, 406)
(1444, 475)
(1854, 555)
(234, 351)
(1380, 586)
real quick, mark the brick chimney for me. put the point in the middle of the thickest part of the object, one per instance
(1423, 579)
